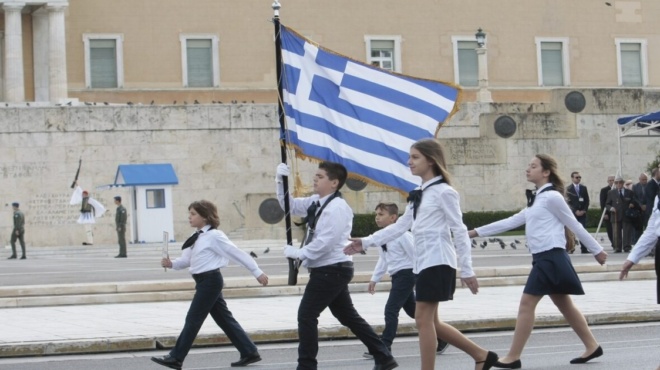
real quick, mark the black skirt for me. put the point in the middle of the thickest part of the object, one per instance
(553, 273)
(436, 284)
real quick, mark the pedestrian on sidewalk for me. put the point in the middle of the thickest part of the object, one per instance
(204, 254)
(120, 223)
(329, 223)
(619, 200)
(433, 218)
(90, 209)
(18, 233)
(645, 244)
(546, 217)
(396, 258)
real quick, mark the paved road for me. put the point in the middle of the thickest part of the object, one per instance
(635, 346)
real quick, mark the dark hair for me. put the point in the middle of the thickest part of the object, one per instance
(207, 210)
(335, 171)
(574, 173)
(390, 208)
(432, 150)
(549, 163)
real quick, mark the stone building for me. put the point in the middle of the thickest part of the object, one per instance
(553, 79)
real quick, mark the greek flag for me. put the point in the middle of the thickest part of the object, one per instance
(366, 118)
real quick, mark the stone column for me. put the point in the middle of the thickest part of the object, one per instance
(483, 95)
(14, 79)
(58, 87)
(40, 54)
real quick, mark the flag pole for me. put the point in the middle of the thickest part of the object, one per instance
(293, 266)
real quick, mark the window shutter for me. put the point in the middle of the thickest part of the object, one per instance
(468, 64)
(631, 64)
(551, 64)
(103, 63)
(200, 62)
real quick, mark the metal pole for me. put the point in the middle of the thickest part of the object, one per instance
(293, 266)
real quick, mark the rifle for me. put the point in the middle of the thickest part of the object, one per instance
(73, 184)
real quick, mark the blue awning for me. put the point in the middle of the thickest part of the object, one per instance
(642, 120)
(145, 174)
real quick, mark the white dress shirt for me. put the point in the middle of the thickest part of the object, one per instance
(333, 228)
(647, 241)
(545, 221)
(213, 250)
(438, 216)
(399, 256)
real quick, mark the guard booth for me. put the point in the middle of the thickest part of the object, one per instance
(151, 199)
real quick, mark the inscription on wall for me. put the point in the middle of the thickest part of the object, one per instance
(474, 151)
(10, 171)
(53, 209)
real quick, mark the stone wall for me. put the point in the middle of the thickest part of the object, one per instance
(227, 154)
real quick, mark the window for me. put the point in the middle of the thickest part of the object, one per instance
(155, 198)
(552, 56)
(384, 52)
(631, 60)
(466, 65)
(103, 61)
(200, 61)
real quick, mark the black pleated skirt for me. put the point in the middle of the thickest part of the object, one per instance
(553, 273)
(436, 284)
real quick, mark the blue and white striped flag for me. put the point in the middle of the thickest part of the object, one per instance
(363, 117)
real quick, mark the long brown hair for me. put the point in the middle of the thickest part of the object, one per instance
(207, 210)
(432, 150)
(549, 163)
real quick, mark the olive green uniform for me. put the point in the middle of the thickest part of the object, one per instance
(120, 221)
(18, 233)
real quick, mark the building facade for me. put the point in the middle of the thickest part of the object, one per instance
(553, 80)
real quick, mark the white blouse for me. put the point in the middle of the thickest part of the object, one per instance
(213, 250)
(438, 217)
(544, 224)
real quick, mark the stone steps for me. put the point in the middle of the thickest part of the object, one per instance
(177, 290)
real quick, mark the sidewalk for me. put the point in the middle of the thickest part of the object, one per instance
(37, 331)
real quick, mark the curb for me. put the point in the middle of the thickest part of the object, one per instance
(291, 335)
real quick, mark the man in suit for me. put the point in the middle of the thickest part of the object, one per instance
(640, 193)
(578, 200)
(603, 198)
(651, 190)
(618, 201)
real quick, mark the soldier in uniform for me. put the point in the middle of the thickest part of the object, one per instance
(90, 208)
(120, 221)
(18, 232)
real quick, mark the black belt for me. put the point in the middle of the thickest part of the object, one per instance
(347, 264)
(206, 273)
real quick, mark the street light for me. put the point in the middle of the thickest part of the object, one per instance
(483, 95)
(481, 37)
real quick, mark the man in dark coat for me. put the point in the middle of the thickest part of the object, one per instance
(578, 201)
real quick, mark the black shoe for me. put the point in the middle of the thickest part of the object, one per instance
(583, 360)
(11, 258)
(511, 365)
(120, 256)
(442, 347)
(85, 243)
(246, 360)
(627, 249)
(23, 257)
(617, 251)
(490, 361)
(168, 361)
(387, 365)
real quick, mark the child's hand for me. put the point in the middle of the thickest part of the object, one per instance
(372, 287)
(354, 247)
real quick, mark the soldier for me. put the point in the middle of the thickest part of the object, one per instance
(18, 232)
(90, 208)
(120, 222)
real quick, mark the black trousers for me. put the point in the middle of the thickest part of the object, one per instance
(328, 287)
(208, 300)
